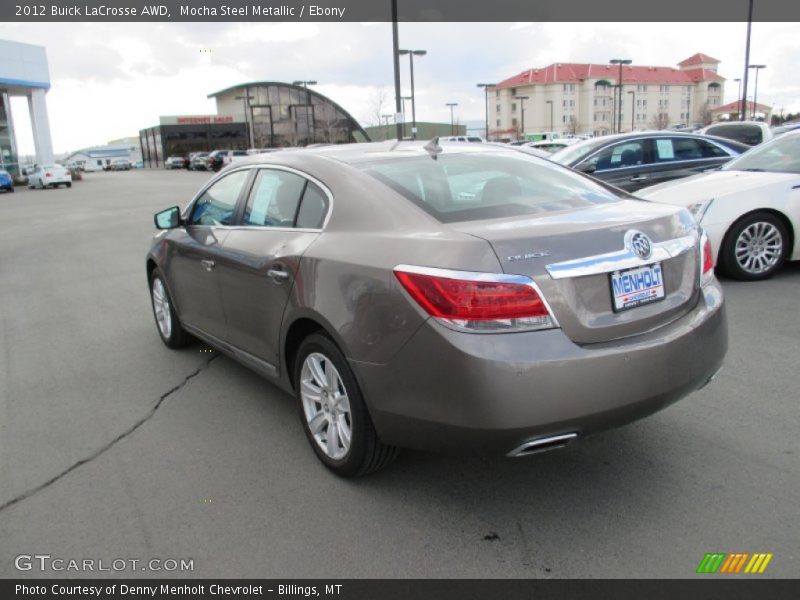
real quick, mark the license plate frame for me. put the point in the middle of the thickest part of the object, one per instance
(623, 295)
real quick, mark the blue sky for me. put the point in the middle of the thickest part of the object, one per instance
(111, 79)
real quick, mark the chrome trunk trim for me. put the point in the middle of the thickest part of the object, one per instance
(620, 259)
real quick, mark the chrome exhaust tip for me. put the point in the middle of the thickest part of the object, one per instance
(542, 444)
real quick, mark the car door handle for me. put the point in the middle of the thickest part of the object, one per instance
(278, 275)
(638, 178)
(207, 263)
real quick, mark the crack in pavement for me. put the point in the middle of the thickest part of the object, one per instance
(113, 442)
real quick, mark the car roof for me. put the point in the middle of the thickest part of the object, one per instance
(354, 154)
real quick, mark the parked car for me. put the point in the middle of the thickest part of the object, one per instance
(462, 138)
(198, 161)
(786, 127)
(551, 146)
(234, 156)
(751, 133)
(215, 159)
(120, 164)
(750, 208)
(52, 175)
(634, 160)
(175, 162)
(441, 297)
(6, 182)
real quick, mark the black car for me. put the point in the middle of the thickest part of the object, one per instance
(215, 159)
(635, 160)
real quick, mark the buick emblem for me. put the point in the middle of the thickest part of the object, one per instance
(639, 244)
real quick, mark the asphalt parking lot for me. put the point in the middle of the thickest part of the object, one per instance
(113, 446)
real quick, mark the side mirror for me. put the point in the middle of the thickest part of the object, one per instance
(168, 219)
(587, 168)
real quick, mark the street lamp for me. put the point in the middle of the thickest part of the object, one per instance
(620, 62)
(522, 111)
(550, 102)
(411, 54)
(747, 60)
(633, 105)
(305, 84)
(755, 91)
(246, 104)
(452, 105)
(486, 87)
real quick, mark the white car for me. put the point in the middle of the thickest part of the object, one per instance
(552, 145)
(749, 208)
(751, 133)
(44, 176)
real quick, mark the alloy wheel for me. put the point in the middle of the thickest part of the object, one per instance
(326, 405)
(759, 247)
(161, 308)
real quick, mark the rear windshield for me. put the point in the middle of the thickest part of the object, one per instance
(747, 134)
(471, 187)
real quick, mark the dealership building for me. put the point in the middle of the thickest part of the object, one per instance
(24, 72)
(265, 114)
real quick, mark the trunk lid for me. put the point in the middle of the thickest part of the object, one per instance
(564, 252)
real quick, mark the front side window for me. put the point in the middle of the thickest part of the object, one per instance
(469, 187)
(274, 200)
(217, 205)
(618, 156)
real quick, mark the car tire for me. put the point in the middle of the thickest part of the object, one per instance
(69, 185)
(168, 325)
(332, 407)
(755, 247)
(11, 190)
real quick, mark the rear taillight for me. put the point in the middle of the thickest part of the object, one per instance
(48, 174)
(706, 259)
(477, 302)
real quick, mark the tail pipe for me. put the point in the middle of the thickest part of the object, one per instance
(543, 444)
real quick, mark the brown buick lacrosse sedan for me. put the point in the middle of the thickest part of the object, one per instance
(459, 297)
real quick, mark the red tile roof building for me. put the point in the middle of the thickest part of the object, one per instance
(580, 97)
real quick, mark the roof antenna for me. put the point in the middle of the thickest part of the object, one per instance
(433, 148)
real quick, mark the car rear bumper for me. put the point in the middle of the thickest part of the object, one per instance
(451, 391)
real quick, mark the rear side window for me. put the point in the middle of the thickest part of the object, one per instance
(313, 208)
(673, 149)
(218, 203)
(470, 187)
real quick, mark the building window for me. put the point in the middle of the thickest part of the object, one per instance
(514, 122)
(513, 107)
(498, 108)
(498, 122)
(513, 91)
(497, 93)
(571, 103)
(564, 118)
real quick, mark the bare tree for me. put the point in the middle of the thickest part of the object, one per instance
(376, 106)
(660, 121)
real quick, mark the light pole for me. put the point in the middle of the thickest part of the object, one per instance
(486, 87)
(411, 54)
(550, 102)
(522, 112)
(746, 60)
(452, 105)
(633, 105)
(620, 62)
(755, 90)
(738, 96)
(309, 127)
(396, 65)
(405, 119)
(386, 124)
(246, 104)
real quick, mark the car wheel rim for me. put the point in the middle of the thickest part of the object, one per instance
(161, 308)
(326, 405)
(759, 247)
